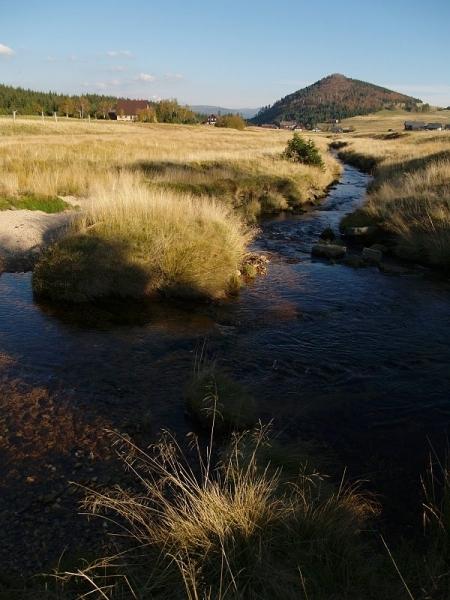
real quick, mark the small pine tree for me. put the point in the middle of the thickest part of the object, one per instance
(305, 152)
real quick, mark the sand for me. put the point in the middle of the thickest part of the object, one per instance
(24, 234)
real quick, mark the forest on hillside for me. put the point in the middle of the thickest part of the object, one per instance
(333, 97)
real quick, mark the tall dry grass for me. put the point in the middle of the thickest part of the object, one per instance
(234, 530)
(410, 195)
(67, 158)
(133, 241)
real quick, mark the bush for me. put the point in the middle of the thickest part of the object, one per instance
(147, 115)
(307, 153)
(136, 242)
(169, 111)
(231, 121)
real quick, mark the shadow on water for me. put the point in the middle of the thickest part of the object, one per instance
(352, 358)
(174, 315)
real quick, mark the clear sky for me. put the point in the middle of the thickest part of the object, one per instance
(229, 53)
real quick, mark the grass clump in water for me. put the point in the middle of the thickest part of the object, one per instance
(214, 398)
(137, 242)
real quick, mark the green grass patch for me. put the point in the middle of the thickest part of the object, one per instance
(47, 204)
(212, 396)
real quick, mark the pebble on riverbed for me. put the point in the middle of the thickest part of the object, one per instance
(323, 250)
(359, 232)
(372, 255)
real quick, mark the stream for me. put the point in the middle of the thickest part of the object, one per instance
(354, 361)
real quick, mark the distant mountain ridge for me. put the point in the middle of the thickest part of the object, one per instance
(333, 97)
(207, 109)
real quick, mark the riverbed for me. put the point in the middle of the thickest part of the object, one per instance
(353, 361)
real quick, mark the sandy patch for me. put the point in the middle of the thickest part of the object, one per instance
(24, 234)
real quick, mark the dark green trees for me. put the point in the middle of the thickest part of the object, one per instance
(305, 152)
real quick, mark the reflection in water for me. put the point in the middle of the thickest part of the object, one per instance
(354, 358)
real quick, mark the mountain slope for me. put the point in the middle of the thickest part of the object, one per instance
(333, 97)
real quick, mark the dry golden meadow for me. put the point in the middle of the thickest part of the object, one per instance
(68, 157)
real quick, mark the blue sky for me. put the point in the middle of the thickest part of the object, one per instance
(236, 54)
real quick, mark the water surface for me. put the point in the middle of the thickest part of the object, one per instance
(354, 359)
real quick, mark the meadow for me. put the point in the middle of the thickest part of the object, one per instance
(198, 190)
(69, 157)
(409, 199)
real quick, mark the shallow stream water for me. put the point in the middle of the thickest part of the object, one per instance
(353, 360)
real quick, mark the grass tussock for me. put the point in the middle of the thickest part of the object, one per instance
(134, 241)
(216, 400)
(433, 573)
(234, 531)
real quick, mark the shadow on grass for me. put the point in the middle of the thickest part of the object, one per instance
(384, 172)
(370, 164)
(85, 268)
(243, 187)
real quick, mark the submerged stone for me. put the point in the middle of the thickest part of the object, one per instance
(359, 231)
(328, 250)
(372, 255)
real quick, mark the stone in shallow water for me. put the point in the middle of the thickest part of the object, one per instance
(328, 250)
(372, 255)
(354, 261)
(394, 269)
(360, 231)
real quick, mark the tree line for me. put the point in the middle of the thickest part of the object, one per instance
(30, 102)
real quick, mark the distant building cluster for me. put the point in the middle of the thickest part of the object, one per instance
(290, 125)
(422, 126)
(332, 126)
